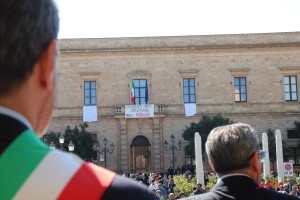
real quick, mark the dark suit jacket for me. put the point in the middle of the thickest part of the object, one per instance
(240, 188)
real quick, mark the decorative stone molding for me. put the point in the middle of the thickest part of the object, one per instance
(89, 75)
(293, 70)
(239, 71)
(139, 74)
(188, 72)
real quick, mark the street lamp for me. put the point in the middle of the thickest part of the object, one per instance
(52, 146)
(61, 140)
(104, 150)
(173, 148)
(71, 146)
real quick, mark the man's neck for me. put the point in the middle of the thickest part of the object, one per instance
(242, 172)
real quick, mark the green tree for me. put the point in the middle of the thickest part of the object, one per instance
(297, 124)
(272, 146)
(183, 186)
(82, 140)
(212, 181)
(204, 126)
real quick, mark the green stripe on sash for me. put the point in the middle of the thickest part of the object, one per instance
(18, 161)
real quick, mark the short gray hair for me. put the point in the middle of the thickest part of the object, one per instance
(27, 28)
(230, 147)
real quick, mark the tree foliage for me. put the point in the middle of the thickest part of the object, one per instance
(183, 186)
(82, 140)
(272, 146)
(297, 124)
(204, 126)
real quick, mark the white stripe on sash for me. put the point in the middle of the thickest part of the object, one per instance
(50, 177)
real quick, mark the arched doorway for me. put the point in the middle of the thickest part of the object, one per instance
(140, 149)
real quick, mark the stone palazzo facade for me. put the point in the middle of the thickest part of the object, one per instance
(251, 78)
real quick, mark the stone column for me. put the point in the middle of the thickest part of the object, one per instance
(124, 165)
(279, 155)
(266, 164)
(156, 150)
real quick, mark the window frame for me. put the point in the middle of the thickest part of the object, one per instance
(88, 93)
(240, 92)
(137, 92)
(292, 134)
(189, 87)
(289, 84)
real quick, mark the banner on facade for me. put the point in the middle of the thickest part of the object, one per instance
(139, 111)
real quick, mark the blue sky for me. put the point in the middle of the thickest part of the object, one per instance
(141, 18)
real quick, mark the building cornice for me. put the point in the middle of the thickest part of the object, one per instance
(289, 39)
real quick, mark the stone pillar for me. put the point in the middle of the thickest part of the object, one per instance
(156, 150)
(279, 155)
(124, 165)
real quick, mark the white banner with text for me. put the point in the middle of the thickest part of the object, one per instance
(139, 111)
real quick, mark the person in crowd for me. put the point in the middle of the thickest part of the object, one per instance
(183, 168)
(199, 189)
(298, 186)
(178, 170)
(170, 171)
(145, 180)
(171, 185)
(166, 182)
(281, 189)
(158, 195)
(234, 154)
(163, 192)
(194, 189)
(207, 189)
(171, 196)
(286, 188)
(295, 191)
(153, 186)
(189, 179)
(28, 78)
(206, 178)
(180, 195)
(280, 183)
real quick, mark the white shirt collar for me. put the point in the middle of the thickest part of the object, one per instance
(229, 175)
(15, 115)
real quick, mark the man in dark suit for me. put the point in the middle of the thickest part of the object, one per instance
(28, 168)
(233, 153)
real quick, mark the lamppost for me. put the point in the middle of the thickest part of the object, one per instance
(61, 141)
(71, 146)
(52, 146)
(104, 150)
(173, 148)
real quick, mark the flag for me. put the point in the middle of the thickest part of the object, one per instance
(146, 93)
(132, 93)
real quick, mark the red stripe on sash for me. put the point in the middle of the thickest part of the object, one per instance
(89, 182)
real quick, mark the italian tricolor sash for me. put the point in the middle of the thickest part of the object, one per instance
(30, 170)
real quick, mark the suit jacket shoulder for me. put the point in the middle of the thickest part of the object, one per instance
(127, 189)
(240, 188)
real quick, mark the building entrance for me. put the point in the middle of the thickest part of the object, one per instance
(140, 149)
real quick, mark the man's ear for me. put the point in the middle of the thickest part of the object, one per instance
(47, 67)
(211, 165)
(255, 167)
(255, 162)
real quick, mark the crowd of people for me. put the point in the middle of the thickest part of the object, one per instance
(162, 183)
